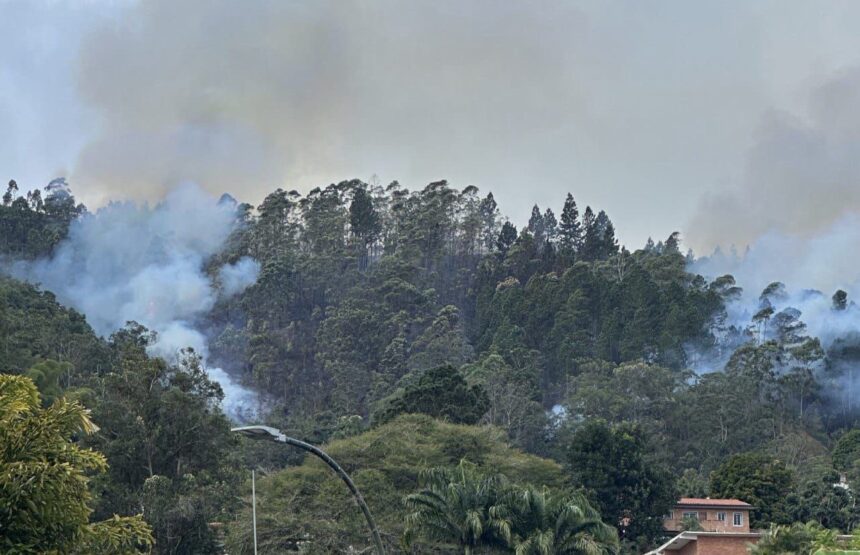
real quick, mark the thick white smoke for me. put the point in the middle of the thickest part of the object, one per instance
(822, 260)
(812, 266)
(235, 278)
(795, 214)
(145, 263)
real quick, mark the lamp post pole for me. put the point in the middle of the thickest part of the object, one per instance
(273, 434)
(254, 507)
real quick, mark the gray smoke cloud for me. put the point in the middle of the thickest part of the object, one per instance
(246, 97)
(634, 107)
(144, 262)
(802, 179)
(795, 218)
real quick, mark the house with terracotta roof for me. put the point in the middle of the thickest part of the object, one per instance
(713, 515)
(724, 523)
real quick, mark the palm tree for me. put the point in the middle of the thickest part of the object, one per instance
(546, 524)
(799, 538)
(460, 507)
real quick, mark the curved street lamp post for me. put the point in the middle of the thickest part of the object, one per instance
(273, 434)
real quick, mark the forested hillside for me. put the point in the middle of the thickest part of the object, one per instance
(546, 357)
(363, 288)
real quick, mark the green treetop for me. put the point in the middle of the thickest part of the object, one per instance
(44, 489)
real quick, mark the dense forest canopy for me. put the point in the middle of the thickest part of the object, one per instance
(543, 357)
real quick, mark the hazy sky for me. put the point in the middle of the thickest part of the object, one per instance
(724, 119)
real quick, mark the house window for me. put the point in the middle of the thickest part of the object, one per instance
(721, 517)
(739, 519)
(691, 515)
(670, 515)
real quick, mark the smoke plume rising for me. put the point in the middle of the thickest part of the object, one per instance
(145, 263)
(802, 177)
(822, 260)
(796, 216)
(247, 96)
(812, 267)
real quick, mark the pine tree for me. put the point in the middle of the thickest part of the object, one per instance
(489, 211)
(610, 243)
(607, 245)
(672, 244)
(649, 245)
(590, 248)
(537, 227)
(550, 225)
(365, 223)
(690, 257)
(507, 237)
(363, 219)
(570, 228)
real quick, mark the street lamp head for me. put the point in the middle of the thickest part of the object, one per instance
(273, 434)
(260, 432)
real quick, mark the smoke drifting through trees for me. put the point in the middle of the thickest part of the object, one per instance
(795, 221)
(145, 263)
(812, 267)
(793, 289)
